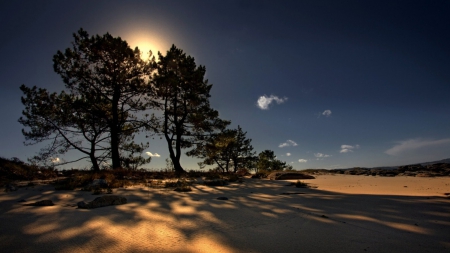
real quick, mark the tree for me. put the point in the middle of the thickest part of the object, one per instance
(267, 161)
(242, 153)
(107, 90)
(184, 101)
(67, 122)
(104, 68)
(216, 150)
(128, 151)
(228, 148)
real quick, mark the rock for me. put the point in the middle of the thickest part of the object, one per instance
(96, 184)
(99, 182)
(83, 205)
(10, 188)
(106, 200)
(45, 202)
(222, 198)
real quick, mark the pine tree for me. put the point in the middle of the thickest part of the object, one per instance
(183, 95)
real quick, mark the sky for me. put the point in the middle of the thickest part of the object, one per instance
(322, 83)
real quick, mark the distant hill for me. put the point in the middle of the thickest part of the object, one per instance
(427, 169)
(396, 167)
(440, 161)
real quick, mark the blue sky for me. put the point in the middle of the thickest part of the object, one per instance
(324, 84)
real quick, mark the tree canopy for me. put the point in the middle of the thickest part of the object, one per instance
(66, 122)
(268, 161)
(229, 148)
(183, 96)
(107, 82)
(109, 90)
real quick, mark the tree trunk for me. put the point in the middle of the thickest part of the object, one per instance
(115, 155)
(94, 162)
(175, 158)
(92, 155)
(177, 166)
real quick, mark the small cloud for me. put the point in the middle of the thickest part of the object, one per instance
(326, 113)
(320, 155)
(348, 148)
(55, 160)
(288, 154)
(152, 155)
(264, 101)
(302, 160)
(414, 144)
(288, 143)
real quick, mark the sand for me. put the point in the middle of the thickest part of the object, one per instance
(343, 214)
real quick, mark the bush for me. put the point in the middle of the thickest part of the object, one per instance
(234, 178)
(181, 185)
(211, 175)
(243, 172)
(215, 182)
(261, 174)
(300, 184)
(15, 169)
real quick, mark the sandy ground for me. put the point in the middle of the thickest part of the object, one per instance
(343, 214)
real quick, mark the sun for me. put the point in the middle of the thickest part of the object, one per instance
(147, 50)
(147, 44)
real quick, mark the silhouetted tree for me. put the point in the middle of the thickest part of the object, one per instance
(108, 90)
(267, 161)
(228, 148)
(67, 122)
(242, 151)
(184, 100)
(105, 68)
(216, 150)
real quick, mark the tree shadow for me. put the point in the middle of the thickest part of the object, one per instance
(256, 218)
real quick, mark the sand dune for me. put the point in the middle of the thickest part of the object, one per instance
(343, 214)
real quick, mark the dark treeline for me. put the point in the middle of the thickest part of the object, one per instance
(111, 94)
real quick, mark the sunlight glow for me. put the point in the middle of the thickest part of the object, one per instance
(148, 44)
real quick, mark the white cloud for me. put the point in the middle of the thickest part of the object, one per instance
(320, 155)
(264, 101)
(288, 143)
(414, 144)
(55, 160)
(348, 148)
(326, 113)
(288, 154)
(302, 160)
(152, 155)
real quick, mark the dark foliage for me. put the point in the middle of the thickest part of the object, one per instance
(183, 97)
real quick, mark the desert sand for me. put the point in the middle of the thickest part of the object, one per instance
(339, 213)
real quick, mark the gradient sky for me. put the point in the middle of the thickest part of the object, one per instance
(324, 84)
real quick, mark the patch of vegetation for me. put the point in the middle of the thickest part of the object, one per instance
(243, 172)
(215, 182)
(181, 185)
(14, 169)
(300, 184)
(262, 174)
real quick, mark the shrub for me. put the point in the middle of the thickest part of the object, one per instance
(243, 172)
(300, 184)
(215, 182)
(211, 175)
(234, 178)
(261, 174)
(181, 185)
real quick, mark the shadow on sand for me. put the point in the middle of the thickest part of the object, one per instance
(258, 217)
